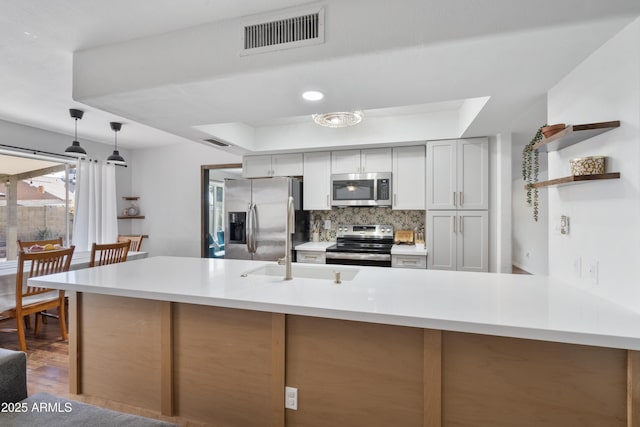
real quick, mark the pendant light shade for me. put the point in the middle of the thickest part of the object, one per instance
(75, 149)
(116, 158)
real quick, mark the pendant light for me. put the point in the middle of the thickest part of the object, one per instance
(116, 158)
(75, 149)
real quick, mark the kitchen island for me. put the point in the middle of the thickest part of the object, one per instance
(217, 341)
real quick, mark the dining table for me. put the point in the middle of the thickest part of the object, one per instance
(80, 260)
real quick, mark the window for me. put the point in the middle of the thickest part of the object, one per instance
(36, 201)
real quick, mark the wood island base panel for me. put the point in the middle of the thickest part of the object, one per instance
(229, 367)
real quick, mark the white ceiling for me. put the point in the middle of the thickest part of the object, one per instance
(412, 53)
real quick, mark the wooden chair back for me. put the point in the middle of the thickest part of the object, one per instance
(34, 264)
(136, 241)
(109, 253)
(24, 245)
(34, 299)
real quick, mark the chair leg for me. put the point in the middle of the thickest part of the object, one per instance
(39, 319)
(44, 318)
(62, 319)
(21, 338)
(27, 322)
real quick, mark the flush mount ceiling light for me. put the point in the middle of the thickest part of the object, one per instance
(313, 95)
(75, 149)
(339, 119)
(116, 158)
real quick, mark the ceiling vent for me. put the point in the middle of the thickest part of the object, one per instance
(288, 31)
(216, 142)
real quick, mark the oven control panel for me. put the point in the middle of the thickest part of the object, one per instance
(377, 230)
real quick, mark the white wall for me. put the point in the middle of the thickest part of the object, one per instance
(167, 179)
(604, 215)
(500, 203)
(530, 239)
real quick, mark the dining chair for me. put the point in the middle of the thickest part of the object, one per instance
(24, 245)
(33, 300)
(109, 253)
(136, 241)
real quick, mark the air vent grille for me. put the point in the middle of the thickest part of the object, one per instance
(216, 142)
(284, 33)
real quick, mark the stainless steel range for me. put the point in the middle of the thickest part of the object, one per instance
(362, 245)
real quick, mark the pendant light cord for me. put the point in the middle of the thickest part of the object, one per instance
(75, 133)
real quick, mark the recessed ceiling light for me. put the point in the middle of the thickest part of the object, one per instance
(313, 95)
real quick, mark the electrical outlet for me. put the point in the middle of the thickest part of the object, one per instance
(291, 398)
(327, 224)
(592, 271)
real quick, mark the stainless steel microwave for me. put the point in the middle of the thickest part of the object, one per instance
(361, 189)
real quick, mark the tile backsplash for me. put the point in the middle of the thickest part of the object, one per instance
(401, 220)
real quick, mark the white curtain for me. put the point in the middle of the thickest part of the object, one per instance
(95, 218)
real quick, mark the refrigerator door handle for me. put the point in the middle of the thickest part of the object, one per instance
(251, 232)
(249, 228)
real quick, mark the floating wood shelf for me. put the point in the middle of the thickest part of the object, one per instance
(574, 179)
(132, 217)
(574, 134)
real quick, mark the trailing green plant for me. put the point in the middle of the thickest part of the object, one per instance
(44, 234)
(530, 171)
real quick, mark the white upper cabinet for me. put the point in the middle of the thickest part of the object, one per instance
(347, 161)
(317, 181)
(272, 165)
(473, 173)
(458, 174)
(408, 178)
(361, 161)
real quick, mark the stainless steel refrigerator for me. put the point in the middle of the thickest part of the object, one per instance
(256, 216)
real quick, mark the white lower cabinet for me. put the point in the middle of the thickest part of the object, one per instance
(311, 257)
(458, 240)
(408, 261)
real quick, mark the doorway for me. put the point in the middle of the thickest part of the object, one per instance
(212, 206)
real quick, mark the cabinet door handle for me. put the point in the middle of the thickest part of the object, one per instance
(454, 198)
(406, 261)
(454, 223)
(327, 200)
(461, 224)
(310, 257)
(461, 202)
(395, 199)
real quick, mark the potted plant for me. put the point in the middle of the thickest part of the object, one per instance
(530, 171)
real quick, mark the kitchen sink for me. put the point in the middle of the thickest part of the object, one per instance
(305, 271)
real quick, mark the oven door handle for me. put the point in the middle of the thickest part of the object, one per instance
(357, 256)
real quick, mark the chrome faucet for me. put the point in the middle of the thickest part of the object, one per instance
(289, 229)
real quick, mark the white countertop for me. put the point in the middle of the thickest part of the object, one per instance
(314, 246)
(408, 250)
(520, 306)
(80, 259)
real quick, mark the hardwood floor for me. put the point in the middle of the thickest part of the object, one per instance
(48, 370)
(47, 357)
(516, 270)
